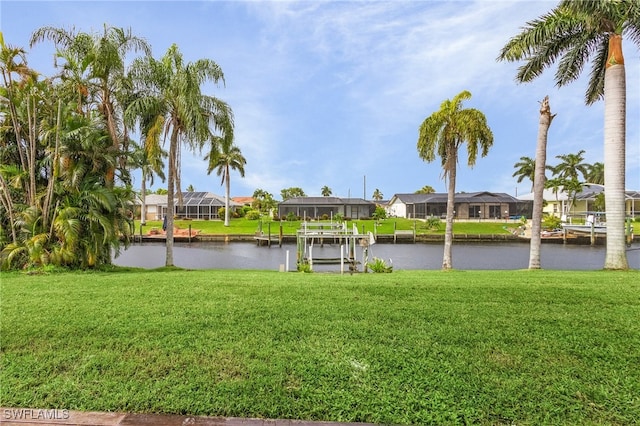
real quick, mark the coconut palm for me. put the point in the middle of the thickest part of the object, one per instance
(595, 173)
(172, 94)
(377, 195)
(570, 170)
(427, 189)
(325, 191)
(442, 134)
(573, 33)
(571, 166)
(555, 184)
(224, 157)
(263, 201)
(538, 181)
(525, 169)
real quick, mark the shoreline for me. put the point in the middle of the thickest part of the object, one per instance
(380, 238)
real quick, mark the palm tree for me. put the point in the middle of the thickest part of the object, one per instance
(292, 192)
(149, 164)
(262, 200)
(568, 171)
(224, 157)
(571, 166)
(595, 173)
(377, 195)
(427, 189)
(442, 134)
(575, 32)
(172, 94)
(96, 65)
(325, 191)
(525, 169)
(555, 185)
(538, 181)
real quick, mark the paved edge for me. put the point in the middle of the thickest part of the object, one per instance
(58, 417)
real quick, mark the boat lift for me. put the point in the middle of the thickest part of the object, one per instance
(346, 240)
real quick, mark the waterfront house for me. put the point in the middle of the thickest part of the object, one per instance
(317, 207)
(557, 203)
(196, 205)
(472, 205)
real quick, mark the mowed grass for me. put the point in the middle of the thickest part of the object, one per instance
(243, 226)
(411, 347)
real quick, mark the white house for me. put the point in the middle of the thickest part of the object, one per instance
(471, 205)
(559, 204)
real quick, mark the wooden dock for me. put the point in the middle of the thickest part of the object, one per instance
(267, 240)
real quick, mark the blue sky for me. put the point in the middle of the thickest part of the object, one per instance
(333, 93)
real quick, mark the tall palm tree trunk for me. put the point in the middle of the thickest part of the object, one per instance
(226, 199)
(143, 196)
(171, 178)
(538, 183)
(452, 161)
(614, 154)
(7, 202)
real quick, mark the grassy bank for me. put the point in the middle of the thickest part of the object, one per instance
(386, 226)
(412, 347)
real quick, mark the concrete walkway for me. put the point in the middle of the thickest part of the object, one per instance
(39, 417)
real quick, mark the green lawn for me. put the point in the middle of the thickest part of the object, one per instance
(411, 347)
(387, 226)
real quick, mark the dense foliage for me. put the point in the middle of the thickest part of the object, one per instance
(65, 151)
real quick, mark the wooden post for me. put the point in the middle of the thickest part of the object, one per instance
(395, 235)
(189, 233)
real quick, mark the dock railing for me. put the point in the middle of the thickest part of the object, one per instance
(335, 233)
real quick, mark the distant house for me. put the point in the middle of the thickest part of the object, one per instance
(473, 205)
(559, 204)
(245, 201)
(196, 205)
(316, 207)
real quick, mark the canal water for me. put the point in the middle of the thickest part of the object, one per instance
(471, 256)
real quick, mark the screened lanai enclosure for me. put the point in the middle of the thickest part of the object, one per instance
(196, 205)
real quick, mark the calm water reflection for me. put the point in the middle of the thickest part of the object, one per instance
(247, 255)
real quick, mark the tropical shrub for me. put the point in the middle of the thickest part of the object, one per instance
(380, 213)
(550, 223)
(379, 266)
(252, 215)
(433, 223)
(304, 267)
